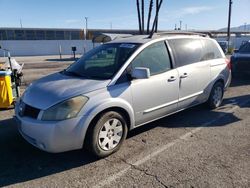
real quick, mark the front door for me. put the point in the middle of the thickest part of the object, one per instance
(158, 95)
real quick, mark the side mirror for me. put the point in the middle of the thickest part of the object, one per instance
(236, 50)
(140, 73)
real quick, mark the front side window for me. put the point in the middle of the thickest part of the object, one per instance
(155, 57)
(102, 62)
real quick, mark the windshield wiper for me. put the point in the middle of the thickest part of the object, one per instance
(71, 73)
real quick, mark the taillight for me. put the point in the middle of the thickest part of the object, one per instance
(228, 62)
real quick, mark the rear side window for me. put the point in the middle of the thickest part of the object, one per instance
(186, 51)
(210, 50)
(245, 48)
(155, 57)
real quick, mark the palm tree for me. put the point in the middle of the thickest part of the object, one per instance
(142, 15)
(156, 19)
(157, 11)
(149, 14)
(139, 15)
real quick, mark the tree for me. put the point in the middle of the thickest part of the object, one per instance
(157, 10)
(139, 15)
(156, 19)
(149, 14)
(142, 16)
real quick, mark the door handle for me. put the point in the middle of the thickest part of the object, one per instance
(171, 79)
(184, 75)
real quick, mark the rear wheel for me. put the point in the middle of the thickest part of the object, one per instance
(107, 135)
(216, 95)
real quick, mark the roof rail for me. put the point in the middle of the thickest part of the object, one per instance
(181, 33)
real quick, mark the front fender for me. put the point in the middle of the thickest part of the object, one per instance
(102, 106)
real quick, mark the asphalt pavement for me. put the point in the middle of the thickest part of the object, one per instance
(193, 148)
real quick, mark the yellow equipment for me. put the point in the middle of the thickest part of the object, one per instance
(6, 94)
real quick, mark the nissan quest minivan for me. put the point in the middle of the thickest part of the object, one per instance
(119, 86)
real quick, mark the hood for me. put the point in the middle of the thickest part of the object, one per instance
(57, 87)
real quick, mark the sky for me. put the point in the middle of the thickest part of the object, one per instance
(120, 14)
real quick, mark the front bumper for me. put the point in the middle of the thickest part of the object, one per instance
(51, 136)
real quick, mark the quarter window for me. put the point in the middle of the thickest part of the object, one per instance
(211, 50)
(155, 57)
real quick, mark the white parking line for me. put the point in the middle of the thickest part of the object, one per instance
(161, 149)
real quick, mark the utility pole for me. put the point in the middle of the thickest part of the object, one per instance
(180, 24)
(86, 22)
(229, 22)
(21, 24)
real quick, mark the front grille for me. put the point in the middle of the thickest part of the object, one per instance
(28, 111)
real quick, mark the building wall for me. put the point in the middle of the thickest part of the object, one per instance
(44, 47)
(235, 41)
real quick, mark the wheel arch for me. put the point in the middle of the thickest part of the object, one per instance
(93, 115)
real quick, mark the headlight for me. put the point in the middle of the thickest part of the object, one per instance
(65, 110)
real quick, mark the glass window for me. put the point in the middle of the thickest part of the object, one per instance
(155, 57)
(19, 35)
(67, 35)
(50, 35)
(30, 35)
(40, 35)
(3, 35)
(59, 35)
(210, 50)
(10, 34)
(75, 35)
(186, 51)
(245, 48)
(102, 62)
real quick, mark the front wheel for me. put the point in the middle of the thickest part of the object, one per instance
(107, 135)
(216, 95)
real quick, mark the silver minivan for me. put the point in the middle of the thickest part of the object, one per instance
(119, 86)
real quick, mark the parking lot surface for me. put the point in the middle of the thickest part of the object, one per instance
(193, 148)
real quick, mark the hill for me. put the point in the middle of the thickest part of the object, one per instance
(239, 28)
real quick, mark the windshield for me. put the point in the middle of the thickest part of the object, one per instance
(102, 62)
(245, 48)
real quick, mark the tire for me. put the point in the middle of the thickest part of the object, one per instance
(216, 96)
(107, 134)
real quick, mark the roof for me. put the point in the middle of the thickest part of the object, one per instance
(133, 39)
(145, 38)
(106, 37)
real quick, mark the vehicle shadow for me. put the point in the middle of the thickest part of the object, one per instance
(199, 116)
(240, 80)
(21, 162)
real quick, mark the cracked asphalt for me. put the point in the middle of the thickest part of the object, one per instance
(194, 148)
